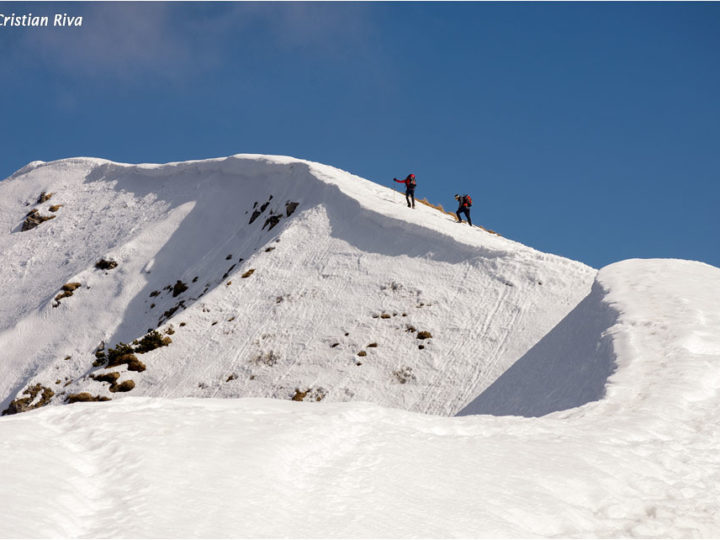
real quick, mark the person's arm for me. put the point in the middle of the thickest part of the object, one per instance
(399, 181)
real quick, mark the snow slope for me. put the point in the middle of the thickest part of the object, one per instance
(640, 462)
(340, 268)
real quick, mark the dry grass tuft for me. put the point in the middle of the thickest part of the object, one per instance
(68, 290)
(110, 378)
(44, 197)
(132, 362)
(30, 402)
(151, 341)
(122, 354)
(435, 206)
(84, 397)
(124, 386)
(311, 394)
(33, 219)
(489, 231)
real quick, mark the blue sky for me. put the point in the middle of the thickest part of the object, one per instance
(590, 130)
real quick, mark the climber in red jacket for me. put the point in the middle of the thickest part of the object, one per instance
(409, 189)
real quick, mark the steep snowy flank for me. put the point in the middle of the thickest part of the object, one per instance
(567, 368)
(652, 320)
(641, 462)
(255, 276)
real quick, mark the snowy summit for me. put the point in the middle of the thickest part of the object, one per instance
(588, 399)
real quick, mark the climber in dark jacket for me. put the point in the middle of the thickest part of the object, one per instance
(465, 203)
(409, 189)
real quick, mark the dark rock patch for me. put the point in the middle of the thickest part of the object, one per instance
(290, 207)
(178, 288)
(273, 220)
(105, 264)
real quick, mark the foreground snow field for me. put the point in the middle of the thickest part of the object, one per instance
(606, 424)
(642, 461)
(148, 467)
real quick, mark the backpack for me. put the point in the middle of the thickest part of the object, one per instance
(468, 200)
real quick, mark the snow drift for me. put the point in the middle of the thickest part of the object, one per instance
(265, 277)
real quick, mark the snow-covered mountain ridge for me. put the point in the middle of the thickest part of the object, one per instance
(271, 276)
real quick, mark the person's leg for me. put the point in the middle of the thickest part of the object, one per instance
(412, 195)
(466, 211)
(407, 198)
(458, 216)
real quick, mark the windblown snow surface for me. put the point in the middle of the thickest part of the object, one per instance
(589, 401)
